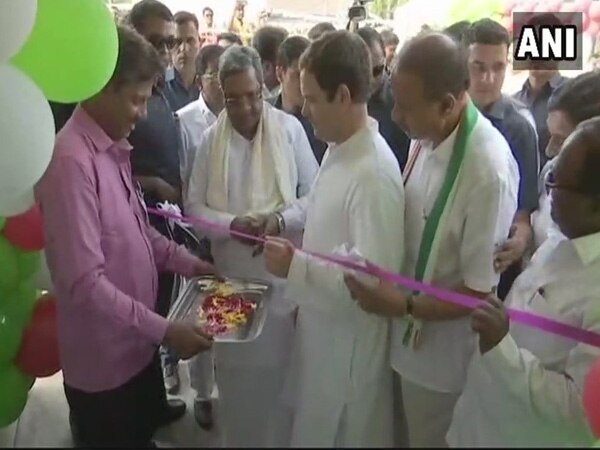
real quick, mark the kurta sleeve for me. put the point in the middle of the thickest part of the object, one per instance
(554, 395)
(375, 215)
(295, 214)
(196, 203)
(489, 216)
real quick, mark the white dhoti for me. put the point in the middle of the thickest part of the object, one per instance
(250, 378)
(428, 415)
(202, 375)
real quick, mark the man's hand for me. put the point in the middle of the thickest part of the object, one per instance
(512, 250)
(278, 256)
(383, 299)
(164, 192)
(270, 227)
(203, 268)
(187, 340)
(491, 322)
(246, 225)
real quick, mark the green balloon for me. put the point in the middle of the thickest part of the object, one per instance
(20, 305)
(10, 337)
(28, 264)
(9, 266)
(82, 38)
(14, 386)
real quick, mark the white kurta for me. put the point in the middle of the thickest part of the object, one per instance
(195, 118)
(541, 220)
(340, 379)
(479, 219)
(526, 391)
(250, 375)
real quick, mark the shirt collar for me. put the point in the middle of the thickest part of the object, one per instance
(498, 109)
(101, 141)
(554, 82)
(443, 151)
(588, 248)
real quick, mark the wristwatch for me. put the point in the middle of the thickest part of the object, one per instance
(280, 222)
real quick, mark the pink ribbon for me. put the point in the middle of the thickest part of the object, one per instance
(523, 317)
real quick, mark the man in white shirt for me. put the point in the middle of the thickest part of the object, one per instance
(251, 165)
(574, 101)
(461, 184)
(340, 382)
(524, 385)
(195, 118)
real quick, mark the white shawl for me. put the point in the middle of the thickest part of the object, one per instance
(270, 182)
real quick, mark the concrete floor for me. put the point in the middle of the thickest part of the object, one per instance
(44, 422)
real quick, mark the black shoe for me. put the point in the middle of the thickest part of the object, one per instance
(174, 410)
(203, 414)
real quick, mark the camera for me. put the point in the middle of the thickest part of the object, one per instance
(358, 12)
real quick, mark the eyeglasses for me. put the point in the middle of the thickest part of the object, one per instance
(378, 70)
(237, 101)
(161, 42)
(552, 184)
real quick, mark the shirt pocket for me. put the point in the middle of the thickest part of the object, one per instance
(551, 349)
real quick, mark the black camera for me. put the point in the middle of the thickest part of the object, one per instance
(358, 11)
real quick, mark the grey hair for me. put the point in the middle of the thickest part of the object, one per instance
(238, 59)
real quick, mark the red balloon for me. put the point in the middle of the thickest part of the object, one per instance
(25, 231)
(582, 5)
(591, 398)
(38, 355)
(554, 5)
(594, 11)
(593, 29)
(585, 22)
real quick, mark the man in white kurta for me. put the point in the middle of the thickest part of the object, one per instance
(431, 340)
(339, 384)
(195, 118)
(524, 388)
(250, 375)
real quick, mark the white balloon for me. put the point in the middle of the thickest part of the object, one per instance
(13, 205)
(17, 18)
(26, 132)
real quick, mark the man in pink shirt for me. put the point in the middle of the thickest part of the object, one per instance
(104, 257)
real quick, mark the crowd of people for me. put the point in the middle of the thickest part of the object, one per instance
(410, 158)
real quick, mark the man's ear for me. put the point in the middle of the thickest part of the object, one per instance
(280, 72)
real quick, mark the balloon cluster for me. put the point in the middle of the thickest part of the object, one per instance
(591, 398)
(473, 10)
(589, 9)
(59, 50)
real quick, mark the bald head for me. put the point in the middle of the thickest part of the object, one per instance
(438, 61)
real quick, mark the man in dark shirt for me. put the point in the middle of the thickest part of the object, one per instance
(544, 78)
(182, 89)
(290, 100)
(381, 102)
(487, 42)
(155, 153)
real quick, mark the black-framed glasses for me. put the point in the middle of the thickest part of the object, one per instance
(551, 183)
(237, 101)
(161, 42)
(378, 70)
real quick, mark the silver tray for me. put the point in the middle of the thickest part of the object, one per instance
(195, 291)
